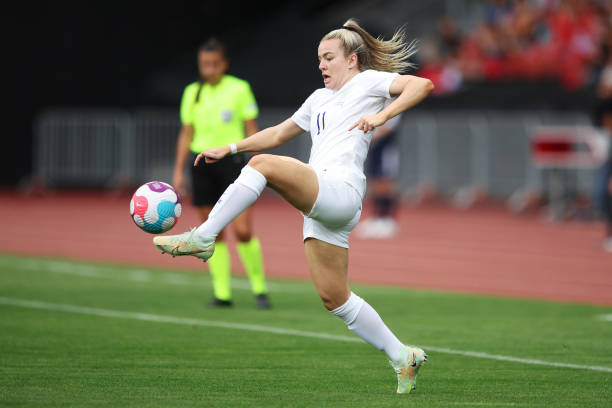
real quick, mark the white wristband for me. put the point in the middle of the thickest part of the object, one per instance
(233, 148)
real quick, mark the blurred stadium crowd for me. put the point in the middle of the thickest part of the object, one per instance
(563, 40)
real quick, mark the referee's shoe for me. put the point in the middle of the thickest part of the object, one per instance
(187, 243)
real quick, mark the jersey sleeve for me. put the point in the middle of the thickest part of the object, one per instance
(302, 116)
(187, 102)
(247, 106)
(380, 82)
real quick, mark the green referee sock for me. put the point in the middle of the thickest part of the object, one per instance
(252, 259)
(220, 265)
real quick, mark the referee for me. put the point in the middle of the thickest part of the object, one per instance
(217, 110)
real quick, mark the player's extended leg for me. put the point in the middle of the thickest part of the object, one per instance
(292, 179)
(295, 181)
(328, 266)
(298, 184)
(249, 250)
(219, 266)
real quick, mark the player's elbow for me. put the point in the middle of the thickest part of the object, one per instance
(428, 86)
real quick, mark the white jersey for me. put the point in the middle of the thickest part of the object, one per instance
(328, 115)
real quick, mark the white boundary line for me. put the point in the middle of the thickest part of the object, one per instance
(139, 275)
(35, 304)
(606, 317)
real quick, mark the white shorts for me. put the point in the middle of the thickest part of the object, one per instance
(335, 212)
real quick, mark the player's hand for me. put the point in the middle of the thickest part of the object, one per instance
(368, 122)
(212, 155)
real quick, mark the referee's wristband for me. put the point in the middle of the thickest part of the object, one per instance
(233, 148)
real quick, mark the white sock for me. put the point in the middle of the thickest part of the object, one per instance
(363, 320)
(235, 199)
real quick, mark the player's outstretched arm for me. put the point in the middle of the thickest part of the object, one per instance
(410, 90)
(265, 139)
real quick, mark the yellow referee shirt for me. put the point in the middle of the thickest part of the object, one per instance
(218, 116)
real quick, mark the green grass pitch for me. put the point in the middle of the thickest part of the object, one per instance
(79, 334)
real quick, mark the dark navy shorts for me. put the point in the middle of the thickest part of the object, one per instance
(383, 158)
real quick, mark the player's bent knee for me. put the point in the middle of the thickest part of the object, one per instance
(261, 163)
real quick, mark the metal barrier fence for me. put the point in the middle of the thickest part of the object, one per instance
(448, 150)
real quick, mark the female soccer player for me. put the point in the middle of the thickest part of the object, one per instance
(220, 109)
(358, 74)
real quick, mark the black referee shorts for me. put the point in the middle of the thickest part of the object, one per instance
(209, 180)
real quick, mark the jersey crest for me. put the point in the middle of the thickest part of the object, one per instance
(226, 115)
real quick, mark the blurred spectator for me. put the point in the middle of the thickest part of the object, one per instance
(603, 183)
(450, 37)
(382, 169)
(445, 73)
(607, 201)
(603, 119)
(519, 39)
(608, 241)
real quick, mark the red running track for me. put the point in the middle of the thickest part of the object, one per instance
(484, 251)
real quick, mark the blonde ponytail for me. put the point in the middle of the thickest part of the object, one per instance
(375, 53)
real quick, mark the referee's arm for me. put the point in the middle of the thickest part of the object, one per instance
(250, 127)
(182, 152)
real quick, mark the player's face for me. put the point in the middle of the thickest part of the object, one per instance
(212, 66)
(334, 65)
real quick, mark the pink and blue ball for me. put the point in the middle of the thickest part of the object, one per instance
(155, 207)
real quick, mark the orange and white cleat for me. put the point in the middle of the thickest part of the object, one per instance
(188, 243)
(407, 368)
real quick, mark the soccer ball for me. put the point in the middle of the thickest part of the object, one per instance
(155, 207)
